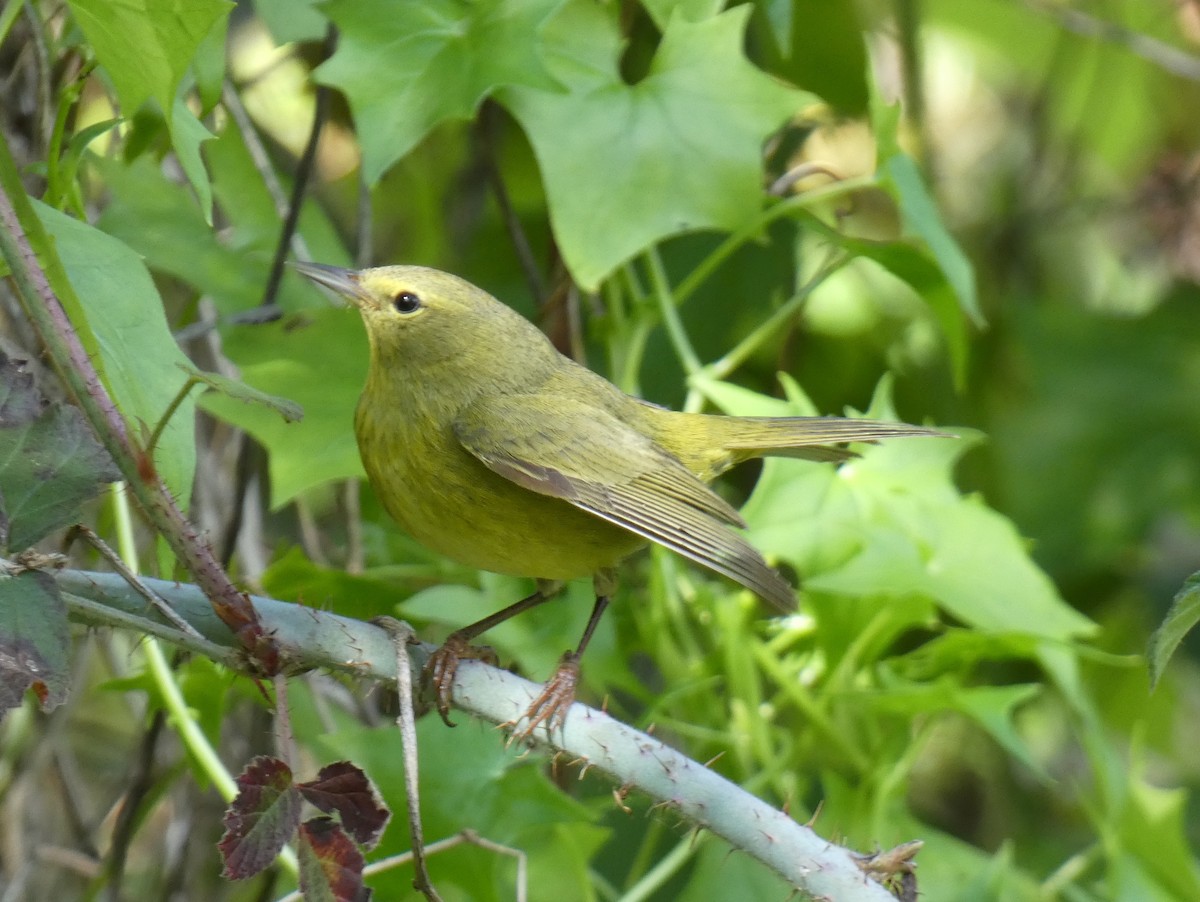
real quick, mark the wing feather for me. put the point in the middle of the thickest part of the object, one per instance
(591, 459)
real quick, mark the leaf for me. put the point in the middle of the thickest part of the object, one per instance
(320, 360)
(159, 219)
(892, 522)
(208, 65)
(407, 67)
(292, 20)
(138, 355)
(232, 388)
(915, 266)
(1183, 615)
(331, 866)
(991, 707)
(261, 819)
(677, 152)
(187, 134)
(50, 461)
(343, 788)
(920, 214)
(504, 799)
(34, 640)
(146, 46)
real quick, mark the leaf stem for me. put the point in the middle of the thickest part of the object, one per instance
(784, 315)
(667, 308)
(179, 398)
(726, 248)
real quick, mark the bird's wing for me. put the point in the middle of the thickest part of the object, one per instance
(588, 457)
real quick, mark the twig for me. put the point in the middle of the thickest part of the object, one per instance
(135, 582)
(300, 183)
(401, 635)
(1161, 54)
(139, 788)
(512, 224)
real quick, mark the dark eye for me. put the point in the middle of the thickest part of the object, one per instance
(406, 302)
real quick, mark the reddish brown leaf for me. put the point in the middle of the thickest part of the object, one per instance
(261, 819)
(331, 865)
(342, 788)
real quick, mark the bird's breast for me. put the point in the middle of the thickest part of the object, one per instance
(450, 502)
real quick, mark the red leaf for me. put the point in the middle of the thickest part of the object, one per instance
(331, 866)
(261, 819)
(343, 789)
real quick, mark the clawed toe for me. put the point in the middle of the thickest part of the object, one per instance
(442, 667)
(551, 706)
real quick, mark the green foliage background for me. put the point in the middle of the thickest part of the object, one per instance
(1010, 253)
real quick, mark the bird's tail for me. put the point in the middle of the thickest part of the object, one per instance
(810, 438)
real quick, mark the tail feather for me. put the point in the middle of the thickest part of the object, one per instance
(811, 438)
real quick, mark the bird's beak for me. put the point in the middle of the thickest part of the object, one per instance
(338, 280)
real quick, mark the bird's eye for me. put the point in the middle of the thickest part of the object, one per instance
(406, 302)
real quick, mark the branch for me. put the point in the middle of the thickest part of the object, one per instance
(310, 638)
(39, 283)
(1172, 59)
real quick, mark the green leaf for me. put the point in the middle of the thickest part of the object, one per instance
(319, 359)
(232, 388)
(208, 66)
(146, 46)
(892, 522)
(138, 354)
(920, 215)
(187, 134)
(661, 11)
(293, 577)
(915, 266)
(34, 640)
(406, 67)
(292, 20)
(50, 461)
(677, 152)
(991, 707)
(1180, 619)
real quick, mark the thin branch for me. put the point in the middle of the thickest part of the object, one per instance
(1160, 53)
(300, 182)
(135, 582)
(312, 638)
(139, 788)
(512, 224)
(402, 634)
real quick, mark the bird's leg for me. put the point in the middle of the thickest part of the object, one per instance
(443, 664)
(555, 701)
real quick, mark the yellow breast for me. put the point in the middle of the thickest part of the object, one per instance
(451, 503)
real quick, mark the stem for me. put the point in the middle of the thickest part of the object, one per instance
(666, 868)
(670, 314)
(179, 715)
(766, 330)
(725, 249)
(183, 392)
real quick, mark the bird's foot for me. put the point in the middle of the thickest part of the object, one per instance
(442, 666)
(551, 707)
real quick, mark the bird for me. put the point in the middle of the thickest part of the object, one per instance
(489, 446)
